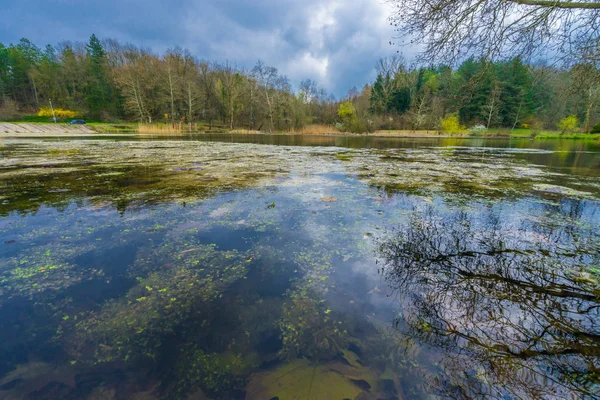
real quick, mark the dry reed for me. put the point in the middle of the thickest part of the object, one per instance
(316, 129)
(162, 129)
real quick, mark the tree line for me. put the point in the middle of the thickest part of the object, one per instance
(507, 94)
(109, 81)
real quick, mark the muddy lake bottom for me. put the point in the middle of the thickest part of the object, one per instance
(296, 267)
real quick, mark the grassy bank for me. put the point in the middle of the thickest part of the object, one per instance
(103, 127)
(493, 133)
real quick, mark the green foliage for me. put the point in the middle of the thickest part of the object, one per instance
(595, 129)
(351, 120)
(451, 124)
(99, 89)
(347, 111)
(400, 100)
(568, 124)
(120, 82)
(379, 97)
(389, 96)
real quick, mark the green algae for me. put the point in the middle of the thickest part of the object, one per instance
(561, 191)
(47, 268)
(308, 329)
(217, 375)
(133, 328)
(130, 174)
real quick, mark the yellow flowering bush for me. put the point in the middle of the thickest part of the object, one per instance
(451, 124)
(59, 112)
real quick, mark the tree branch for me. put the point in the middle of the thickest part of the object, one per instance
(558, 4)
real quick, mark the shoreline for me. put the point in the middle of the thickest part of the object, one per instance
(92, 134)
(39, 130)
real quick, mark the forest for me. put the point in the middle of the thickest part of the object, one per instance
(104, 80)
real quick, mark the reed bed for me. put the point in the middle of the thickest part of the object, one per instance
(316, 129)
(168, 129)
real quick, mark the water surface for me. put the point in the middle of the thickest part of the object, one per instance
(294, 267)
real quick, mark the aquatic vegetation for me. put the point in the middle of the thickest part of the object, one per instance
(308, 329)
(187, 171)
(44, 269)
(189, 268)
(162, 171)
(561, 190)
(214, 374)
(134, 328)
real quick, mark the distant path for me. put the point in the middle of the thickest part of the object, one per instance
(25, 129)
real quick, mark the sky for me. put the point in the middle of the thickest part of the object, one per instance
(335, 42)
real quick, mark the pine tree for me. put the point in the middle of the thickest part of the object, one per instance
(98, 88)
(379, 96)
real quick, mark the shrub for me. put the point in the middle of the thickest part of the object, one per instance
(596, 129)
(347, 111)
(8, 110)
(60, 113)
(451, 124)
(351, 122)
(477, 130)
(568, 124)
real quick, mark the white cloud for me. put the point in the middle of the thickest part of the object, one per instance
(334, 42)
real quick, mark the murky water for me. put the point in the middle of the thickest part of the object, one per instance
(285, 267)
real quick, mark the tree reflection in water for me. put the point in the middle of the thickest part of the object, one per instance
(511, 304)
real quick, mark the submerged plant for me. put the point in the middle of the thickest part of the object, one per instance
(308, 329)
(214, 374)
(134, 328)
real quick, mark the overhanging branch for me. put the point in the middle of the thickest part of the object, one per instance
(559, 4)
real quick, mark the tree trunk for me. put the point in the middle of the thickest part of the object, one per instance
(190, 102)
(35, 94)
(588, 111)
(518, 114)
(171, 92)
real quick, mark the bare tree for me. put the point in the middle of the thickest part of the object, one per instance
(390, 65)
(309, 90)
(230, 87)
(267, 79)
(451, 30)
(493, 103)
(586, 82)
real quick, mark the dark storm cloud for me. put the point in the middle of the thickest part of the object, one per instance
(334, 42)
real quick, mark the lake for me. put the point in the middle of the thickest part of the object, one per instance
(299, 267)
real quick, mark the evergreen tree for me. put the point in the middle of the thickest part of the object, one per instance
(380, 94)
(4, 72)
(517, 94)
(399, 101)
(98, 88)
